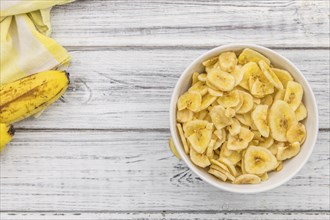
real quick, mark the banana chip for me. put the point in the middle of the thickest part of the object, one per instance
(221, 80)
(301, 112)
(283, 75)
(173, 149)
(249, 55)
(199, 87)
(229, 99)
(228, 61)
(190, 100)
(296, 133)
(293, 94)
(270, 75)
(247, 179)
(241, 117)
(184, 115)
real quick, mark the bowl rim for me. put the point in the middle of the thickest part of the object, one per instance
(186, 158)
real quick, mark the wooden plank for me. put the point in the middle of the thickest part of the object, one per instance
(192, 23)
(131, 89)
(166, 215)
(134, 170)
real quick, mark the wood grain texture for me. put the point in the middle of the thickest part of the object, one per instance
(131, 89)
(125, 171)
(166, 215)
(295, 23)
(101, 152)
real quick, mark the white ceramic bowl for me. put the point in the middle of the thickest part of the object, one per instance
(292, 166)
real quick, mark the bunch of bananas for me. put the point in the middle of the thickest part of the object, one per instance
(28, 96)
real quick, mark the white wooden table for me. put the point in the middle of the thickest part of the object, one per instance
(101, 152)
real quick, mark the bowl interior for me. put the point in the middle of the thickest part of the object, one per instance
(291, 166)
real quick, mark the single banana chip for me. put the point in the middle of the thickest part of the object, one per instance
(228, 61)
(215, 93)
(266, 142)
(229, 112)
(191, 101)
(201, 115)
(259, 160)
(199, 87)
(229, 99)
(247, 179)
(293, 94)
(221, 80)
(249, 55)
(260, 89)
(207, 100)
(218, 174)
(301, 112)
(202, 77)
(241, 140)
(234, 128)
(238, 74)
(235, 157)
(219, 118)
(296, 133)
(281, 118)
(173, 148)
(209, 85)
(200, 140)
(209, 151)
(211, 61)
(194, 78)
(288, 151)
(200, 160)
(279, 167)
(283, 75)
(270, 75)
(267, 100)
(264, 177)
(247, 103)
(279, 95)
(259, 117)
(184, 115)
(183, 138)
(194, 126)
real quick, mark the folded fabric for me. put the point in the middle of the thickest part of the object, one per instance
(25, 45)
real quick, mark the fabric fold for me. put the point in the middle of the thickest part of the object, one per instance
(26, 47)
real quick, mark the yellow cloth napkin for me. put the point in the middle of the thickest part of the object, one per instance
(25, 45)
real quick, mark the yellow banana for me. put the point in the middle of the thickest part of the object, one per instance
(6, 134)
(29, 95)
